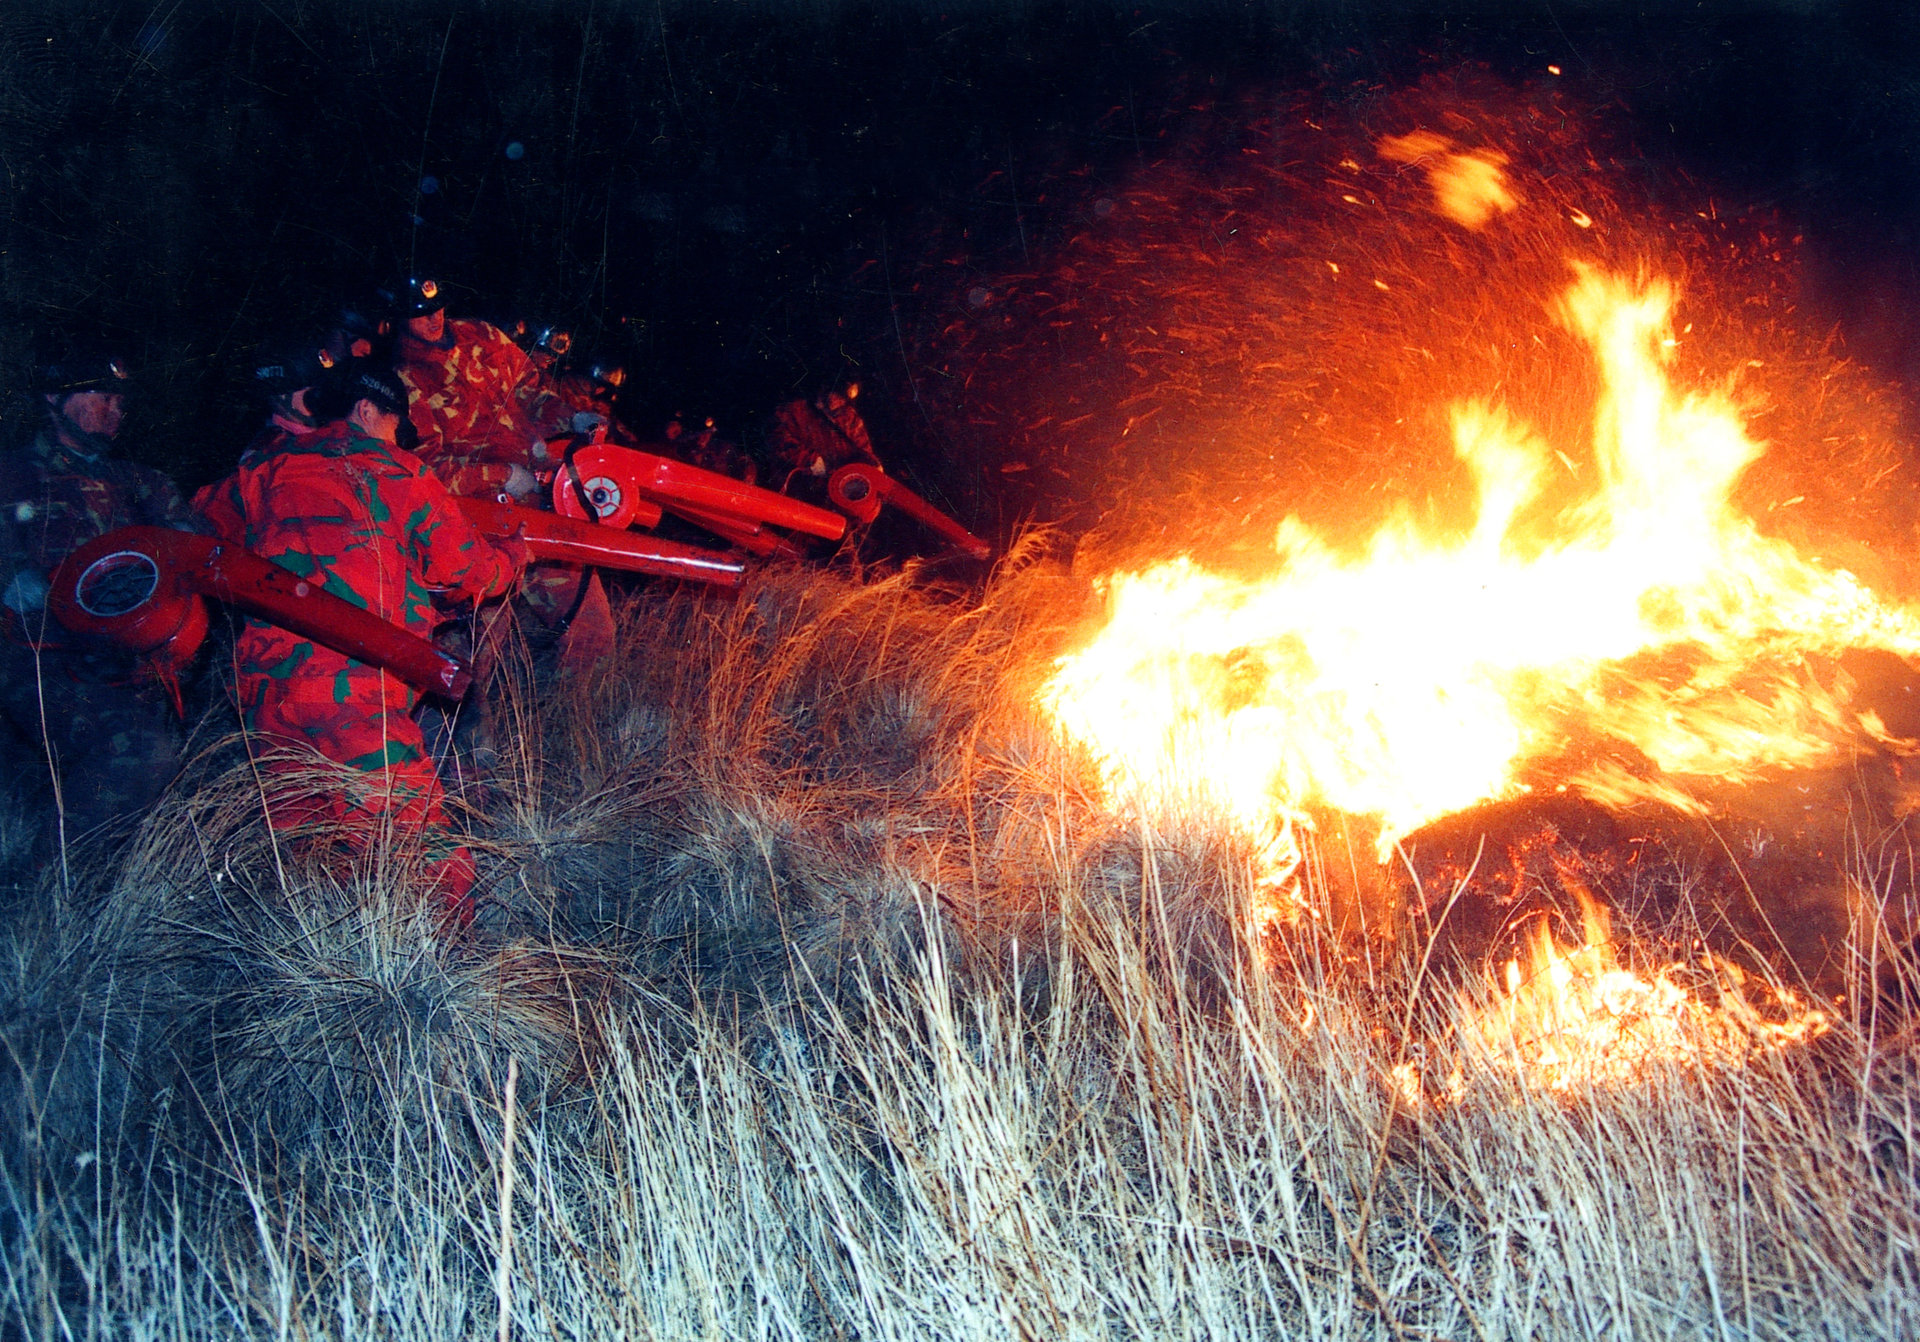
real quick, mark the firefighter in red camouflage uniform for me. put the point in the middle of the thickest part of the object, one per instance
(107, 730)
(348, 509)
(475, 395)
(813, 439)
(469, 386)
(564, 402)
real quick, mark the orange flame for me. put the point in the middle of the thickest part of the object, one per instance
(1578, 1018)
(1632, 645)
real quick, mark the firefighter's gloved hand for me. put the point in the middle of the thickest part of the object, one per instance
(586, 421)
(26, 594)
(520, 485)
(515, 552)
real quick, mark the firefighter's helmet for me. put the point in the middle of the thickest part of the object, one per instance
(81, 371)
(420, 296)
(358, 380)
(364, 327)
(287, 365)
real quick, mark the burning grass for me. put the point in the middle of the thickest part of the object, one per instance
(837, 1006)
(1513, 436)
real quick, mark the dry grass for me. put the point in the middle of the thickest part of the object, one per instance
(839, 1011)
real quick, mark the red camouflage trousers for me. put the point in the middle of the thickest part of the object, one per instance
(303, 699)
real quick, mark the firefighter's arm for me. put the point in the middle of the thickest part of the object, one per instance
(542, 403)
(217, 513)
(471, 476)
(166, 506)
(519, 400)
(452, 555)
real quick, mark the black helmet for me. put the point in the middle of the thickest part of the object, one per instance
(358, 380)
(418, 298)
(371, 381)
(81, 372)
(284, 366)
(363, 327)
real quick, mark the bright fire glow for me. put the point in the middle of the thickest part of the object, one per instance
(1574, 1019)
(1633, 644)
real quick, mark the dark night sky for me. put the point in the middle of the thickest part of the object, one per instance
(742, 200)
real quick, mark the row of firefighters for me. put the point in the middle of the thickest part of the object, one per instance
(412, 463)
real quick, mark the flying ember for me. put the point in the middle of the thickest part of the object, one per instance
(1606, 623)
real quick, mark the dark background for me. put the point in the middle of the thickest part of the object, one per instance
(745, 201)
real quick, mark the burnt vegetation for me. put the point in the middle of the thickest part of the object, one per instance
(815, 991)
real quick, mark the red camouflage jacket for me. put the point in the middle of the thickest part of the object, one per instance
(819, 436)
(469, 395)
(365, 520)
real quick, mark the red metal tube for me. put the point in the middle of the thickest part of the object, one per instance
(141, 588)
(675, 485)
(860, 489)
(551, 536)
(749, 536)
(242, 578)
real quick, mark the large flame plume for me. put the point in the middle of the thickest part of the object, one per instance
(1633, 638)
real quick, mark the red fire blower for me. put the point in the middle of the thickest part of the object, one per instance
(859, 490)
(625, 487)
(144, 589)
